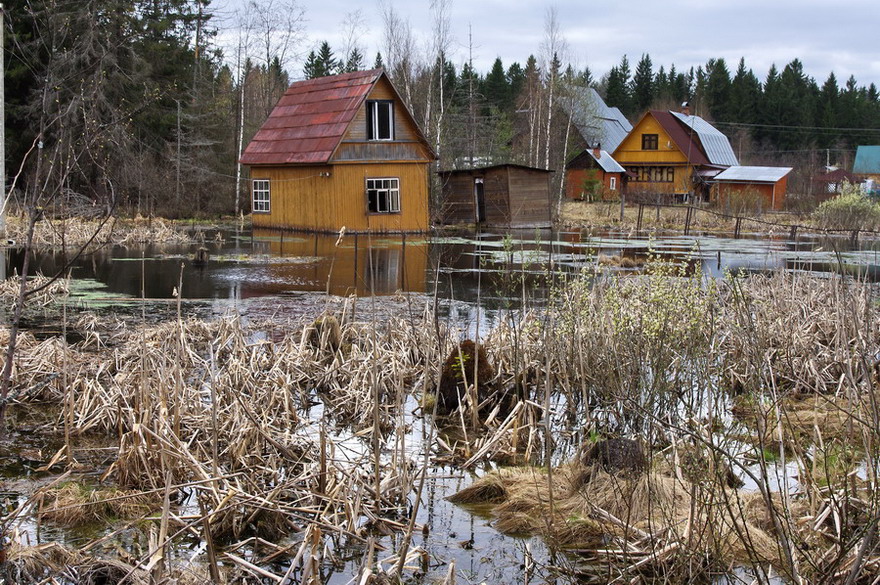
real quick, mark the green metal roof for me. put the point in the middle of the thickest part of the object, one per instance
(867, 160)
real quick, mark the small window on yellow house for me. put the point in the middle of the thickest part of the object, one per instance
(383, 195)
(260, 196)
(380, 120)
(649, 141)
(612, 183)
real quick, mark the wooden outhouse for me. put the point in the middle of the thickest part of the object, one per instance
(340, 151)
(505, 195)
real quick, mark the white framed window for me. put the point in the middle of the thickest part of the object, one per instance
(261, 196)
(383, 195)
(612, 183)
(380, 120)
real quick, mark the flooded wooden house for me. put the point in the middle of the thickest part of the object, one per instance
(340, 151)
(505, 195)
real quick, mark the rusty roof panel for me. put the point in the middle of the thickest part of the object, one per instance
(310, 120)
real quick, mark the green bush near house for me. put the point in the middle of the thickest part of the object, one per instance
(851, 210)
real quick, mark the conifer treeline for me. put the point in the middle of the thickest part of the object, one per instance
(135, 102)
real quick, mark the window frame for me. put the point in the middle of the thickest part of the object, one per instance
(612, 183)
(650, 141)
(391, 191)
(374, 120)
(263, 204)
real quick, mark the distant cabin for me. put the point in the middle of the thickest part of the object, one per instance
(340, 151)
(767, 183)
(501, 196)
(593, 175)
(674, 154)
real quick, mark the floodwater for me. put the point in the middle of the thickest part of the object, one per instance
(490, 267)
(488, 271)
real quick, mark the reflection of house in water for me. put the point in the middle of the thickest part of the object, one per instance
(360, 264)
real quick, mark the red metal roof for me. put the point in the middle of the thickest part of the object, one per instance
(684, 139)
(309, 121)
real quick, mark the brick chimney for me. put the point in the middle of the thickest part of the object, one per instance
(597, 150)
(686, 108)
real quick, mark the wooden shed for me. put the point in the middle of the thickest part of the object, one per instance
(768, 183)
(340, 151)
(502, 195)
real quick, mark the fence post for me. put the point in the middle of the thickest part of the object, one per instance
(639, 217)
(687, 220)
(793, 235)
(736, 227)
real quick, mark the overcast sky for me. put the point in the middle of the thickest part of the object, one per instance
(841, 36)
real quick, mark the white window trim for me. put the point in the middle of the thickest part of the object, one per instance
(374, 105)
(612, 183)
(393, 194)
(263, 204)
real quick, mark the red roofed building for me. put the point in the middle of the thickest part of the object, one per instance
(340, 151)
(673, 154)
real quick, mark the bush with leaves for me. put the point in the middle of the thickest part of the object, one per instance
(851, 210)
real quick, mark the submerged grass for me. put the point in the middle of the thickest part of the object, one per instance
(244, 433)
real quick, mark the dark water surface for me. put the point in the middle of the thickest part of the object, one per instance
(491, 266)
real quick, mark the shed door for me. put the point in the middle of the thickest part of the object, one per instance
(479, 201)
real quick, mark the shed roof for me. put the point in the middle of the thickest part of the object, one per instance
(310, 119)
(838, 176)
(752, 174)
(715, 144)
(491, 168)
(867, 160)
(608, 164)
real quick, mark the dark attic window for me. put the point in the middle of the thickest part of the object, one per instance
(380, 120)
(649, 141)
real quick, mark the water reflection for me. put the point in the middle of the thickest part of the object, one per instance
(499, 269)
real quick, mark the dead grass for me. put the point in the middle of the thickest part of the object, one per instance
(652, 516)
(75, 232)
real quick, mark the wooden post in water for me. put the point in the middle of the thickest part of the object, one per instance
(639, 217)
(403, 263)
(687, 220)
(355, 278)
(736, 227)
(793, 234)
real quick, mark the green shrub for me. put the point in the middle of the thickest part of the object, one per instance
(849, 211)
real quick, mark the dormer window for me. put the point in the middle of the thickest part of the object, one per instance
(380, 120)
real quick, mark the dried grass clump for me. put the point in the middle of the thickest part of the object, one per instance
(77, 504)
(79, 231)
(53, 291)
(797, 333)
(653, 516)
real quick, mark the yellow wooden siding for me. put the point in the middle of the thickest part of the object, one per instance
(630, 151)
(325, 198)
(381, 150)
